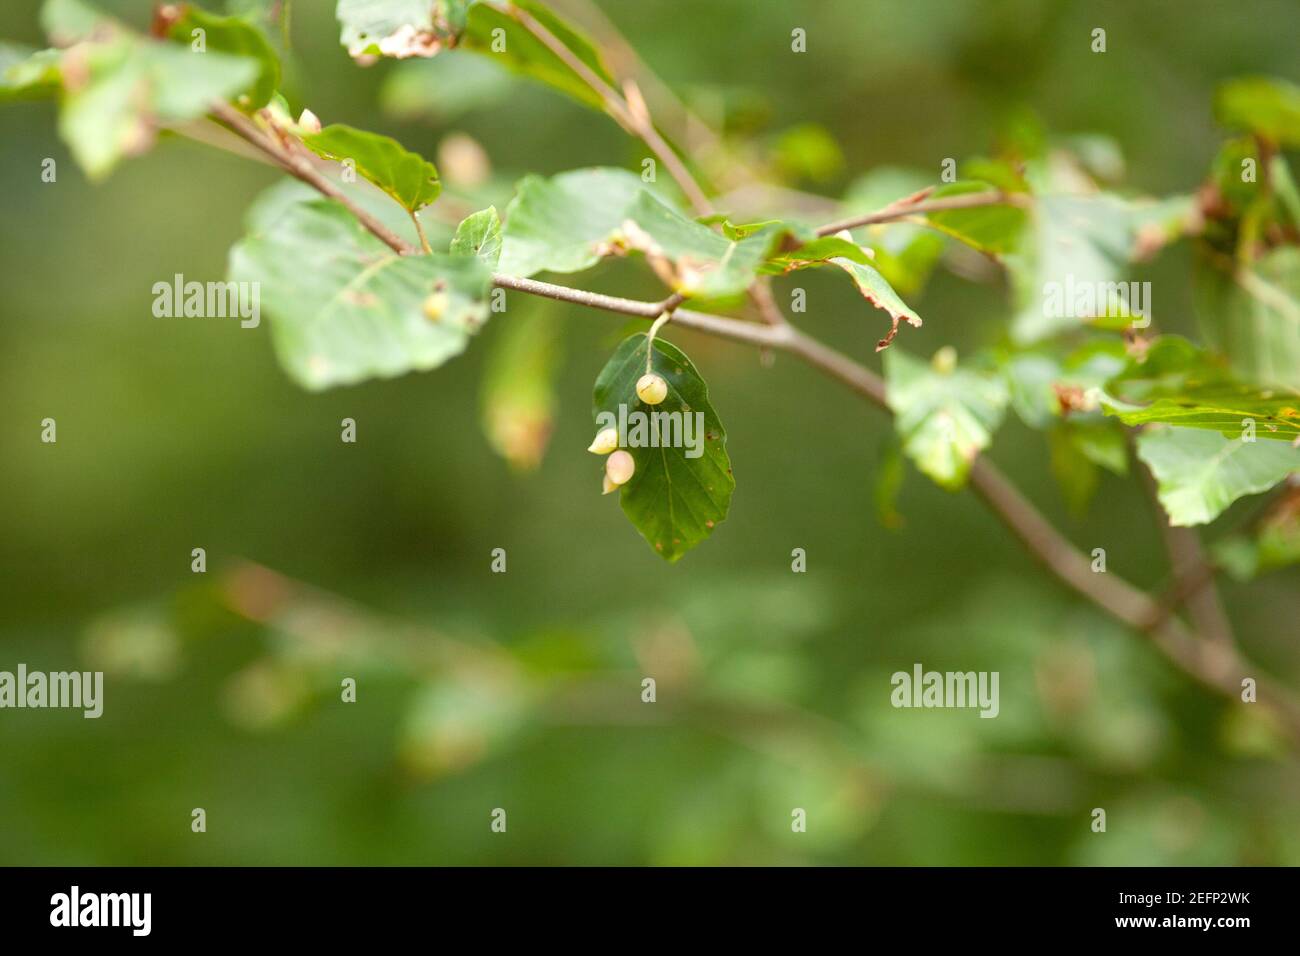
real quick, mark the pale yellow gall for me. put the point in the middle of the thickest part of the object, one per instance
(619, 467)
(651, 388)
(606, 440)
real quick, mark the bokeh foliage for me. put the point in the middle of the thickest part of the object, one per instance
(521, 690)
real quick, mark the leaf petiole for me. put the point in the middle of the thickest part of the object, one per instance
(650, 338)
(419, 229)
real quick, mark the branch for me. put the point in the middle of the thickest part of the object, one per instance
(595, 300)
(720, 326)
(617, 48)
(760, 293)
(300, 167)
(1218, 666)
(1193, 576)
(636, 121)
(912, 206)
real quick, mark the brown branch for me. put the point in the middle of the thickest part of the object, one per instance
(1218, 666)
(594, 300)
(617, 48)
(1193, 575)
(760, 293)
(298, 166)
(904, 208)
(720, 326)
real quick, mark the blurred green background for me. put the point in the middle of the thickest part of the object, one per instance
(521, 690)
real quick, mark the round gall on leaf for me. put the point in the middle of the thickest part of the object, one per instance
(619, 467)
(606, 440)
(944, 361)
(435, 304)
(309, 122)
(651, 388)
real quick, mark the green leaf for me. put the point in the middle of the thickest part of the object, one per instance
(479, 235)
(271, 16)
(399, 28)
(1100, 156)
(799, 247)
(1274, 544)
(132, 88)
(1227, 408)
(1177, 383)
(1030, 379)
(808, 151)
(27, 73)
(995, 228)
(184, 85)
(694, 259)
(67, 22)
(561, 224)
(518, 393)
(235, 36)
(420, 28)
(1075, 473)
(119, 88)
(279, 197)
(406, 176)
(905, 254)
(905, 259)
(1101, 443)
(344, 307)
(879, 293)
(1168, 366)
(530, 56)
(1077, 449)
(1040, 377)
(1253, 315)
(944, 417)
(1200, 473)
(1226, 173)
(1266, 106)
(673, 499)
(1286, 192)
(569, 222)
(1081, 243)
(447, 87)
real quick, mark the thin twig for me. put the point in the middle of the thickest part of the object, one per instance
(636, 122)
(419, 231)
(1193, 575)
(595, 300)
(760, 293)
(616, 46)
(899, 210)
(301, 168)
